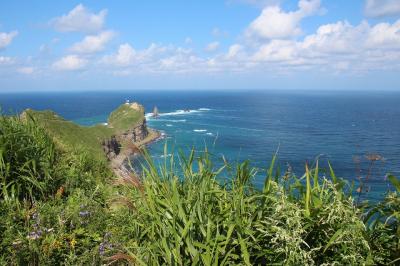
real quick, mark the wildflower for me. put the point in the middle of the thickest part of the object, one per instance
(102, 248)
(84, 213)
(48, 230)
(56, 244)
(60, 192)
(73, 242)
(33, 235)
(105, 244)
(17, 243)
(107, 235)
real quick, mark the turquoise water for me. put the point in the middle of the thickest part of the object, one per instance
(335, 126)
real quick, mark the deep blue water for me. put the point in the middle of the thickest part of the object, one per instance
(251, 125)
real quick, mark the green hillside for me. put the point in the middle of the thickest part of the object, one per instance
(69, 134)
(126, 116)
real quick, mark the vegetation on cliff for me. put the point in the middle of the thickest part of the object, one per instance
(64, 206)
(69, 134)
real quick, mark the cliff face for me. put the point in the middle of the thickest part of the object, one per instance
(136, 134)
(132, 127)
(111, 147)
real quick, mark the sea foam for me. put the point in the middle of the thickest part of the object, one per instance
(178, 112)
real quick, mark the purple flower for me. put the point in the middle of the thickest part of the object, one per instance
(33, 235)
(101, 249)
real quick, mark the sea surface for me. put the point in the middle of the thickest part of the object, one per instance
(342, 127)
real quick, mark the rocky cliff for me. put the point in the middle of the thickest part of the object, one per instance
(136, 134)
(130, 121)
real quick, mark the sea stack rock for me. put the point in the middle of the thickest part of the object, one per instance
(155, 112)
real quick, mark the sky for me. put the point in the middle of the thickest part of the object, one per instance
(195, 45)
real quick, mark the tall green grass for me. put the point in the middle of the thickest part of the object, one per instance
(27, 154)
(183, 213)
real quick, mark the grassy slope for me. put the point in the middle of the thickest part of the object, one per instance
(125, 117)
(69, 134)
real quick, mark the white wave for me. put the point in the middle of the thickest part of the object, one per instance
(178, 112)
(148, 115)
(200, 130)
(168, 125)
(172, 120)
(105, 124)
(168, 155)
(210, 134)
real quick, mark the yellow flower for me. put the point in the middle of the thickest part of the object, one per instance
(73, 243)
(56, 244)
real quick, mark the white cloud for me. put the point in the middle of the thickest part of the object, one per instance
(93, 43)
(80, 19)
(5, 60)
(125, 56)
(211, 47)
(6, 38)
(340, 46)
(277, 50)
(70, 63)
(153, 59)
(339, 37)
(26, 70)
(234, 50)
(274, 23)
(385, 35)
(382, 8)
(274, 43)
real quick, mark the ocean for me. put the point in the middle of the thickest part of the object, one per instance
(341, 127)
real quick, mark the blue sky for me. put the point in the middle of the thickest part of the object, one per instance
(227, 44)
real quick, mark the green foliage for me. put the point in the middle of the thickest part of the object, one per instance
(53, 204)
(193, 219)
(27, 155)
(383, 220)
(59, 206)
